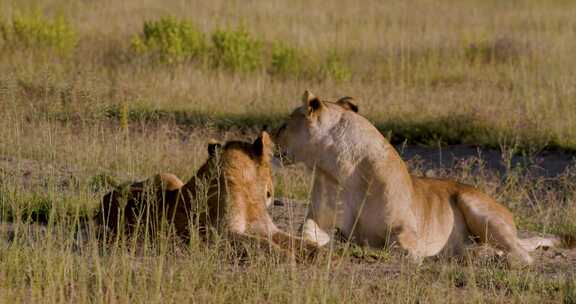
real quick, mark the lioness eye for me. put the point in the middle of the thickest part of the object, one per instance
(268, 194)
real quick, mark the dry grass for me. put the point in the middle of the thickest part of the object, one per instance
(52, 267)
(484, 72)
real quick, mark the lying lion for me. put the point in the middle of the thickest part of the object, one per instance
(362, 187)
(229, 193)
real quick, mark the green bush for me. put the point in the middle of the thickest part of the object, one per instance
(170, 40)
(488, 50)
(285, 60)
(3, 30)
(34, 31)
(334, 68)
(236, 50)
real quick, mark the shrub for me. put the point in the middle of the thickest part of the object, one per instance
(334, 68)
(236, 50)
(285, 60)
(500, 50)
(3, 30)
(170, 40)
(35, 31)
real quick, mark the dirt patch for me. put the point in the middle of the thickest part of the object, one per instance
(288, 214)
(33, 175)
(39, 177)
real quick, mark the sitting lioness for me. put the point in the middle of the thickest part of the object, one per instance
(362, 188)
(229, 193)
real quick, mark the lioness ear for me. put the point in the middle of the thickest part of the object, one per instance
(264, 147)
(348, 104)
(311, 102)
(213, 146)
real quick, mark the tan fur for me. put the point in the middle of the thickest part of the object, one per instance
(167, 181)
(229, 193)
(363, 188)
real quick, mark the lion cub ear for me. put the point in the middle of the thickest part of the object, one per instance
(213, 147)
(311, 102)
(348, 104)
(264, 147)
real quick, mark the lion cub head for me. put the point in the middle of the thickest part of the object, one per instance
(246, 182)
(311, 124)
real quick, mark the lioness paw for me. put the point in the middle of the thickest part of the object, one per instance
(313, 233)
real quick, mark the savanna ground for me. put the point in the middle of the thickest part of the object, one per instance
(89, 95)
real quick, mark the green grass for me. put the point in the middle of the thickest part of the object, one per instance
(334, 68)
(452, 130)
(286, 60)
(85, 105)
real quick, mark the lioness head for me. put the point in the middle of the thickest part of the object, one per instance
(310, 123)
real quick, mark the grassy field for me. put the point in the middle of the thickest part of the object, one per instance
(97, 90)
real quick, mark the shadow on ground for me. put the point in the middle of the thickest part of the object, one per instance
(544, 164)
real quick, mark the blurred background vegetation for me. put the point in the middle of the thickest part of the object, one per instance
(481, 72)
(96, 93)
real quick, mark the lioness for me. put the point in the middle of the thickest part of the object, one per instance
(230, 192)
(362, 187)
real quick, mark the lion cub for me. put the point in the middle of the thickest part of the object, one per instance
(229, 193)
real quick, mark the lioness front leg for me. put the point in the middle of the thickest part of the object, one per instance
(322, 212)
